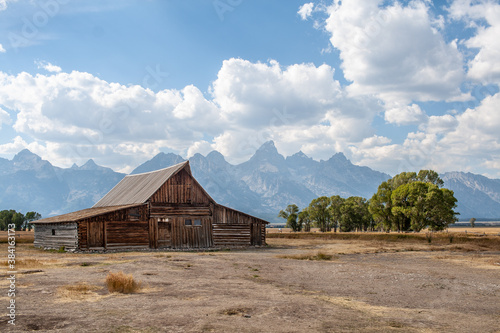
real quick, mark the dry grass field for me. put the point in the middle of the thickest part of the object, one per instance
(298, 283)
(476, 230)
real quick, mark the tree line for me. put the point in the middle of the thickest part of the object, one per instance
(21, 221)
(406, 202)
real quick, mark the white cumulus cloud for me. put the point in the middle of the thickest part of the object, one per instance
(4, 118)
(48, 66)
(484, 16)
(305, 11)
(405, 114)
(394, 52)
(88, 117)
(299, 107)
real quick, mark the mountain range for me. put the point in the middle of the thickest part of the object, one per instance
(261, 186)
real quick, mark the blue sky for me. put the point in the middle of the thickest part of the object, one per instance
(395, 86)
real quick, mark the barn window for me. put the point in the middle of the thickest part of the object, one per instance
(53, 232)
(188, 222)
(134, 214)
(197, 222)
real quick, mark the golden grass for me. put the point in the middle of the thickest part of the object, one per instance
(488, 242)
(25, 263)
(78, 292)
(318, 256)
(122, 283)
(477, 230)
(21, 236)
(235, 311)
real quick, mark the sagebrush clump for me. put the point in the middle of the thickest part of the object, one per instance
(122, 283)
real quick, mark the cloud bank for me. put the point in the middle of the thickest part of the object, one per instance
(395, 58)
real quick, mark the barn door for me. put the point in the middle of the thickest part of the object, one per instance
(256, 229)
(96, 234)
(164, 234)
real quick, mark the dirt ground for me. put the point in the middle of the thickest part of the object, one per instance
(366, 286)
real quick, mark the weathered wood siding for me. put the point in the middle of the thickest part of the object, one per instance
(258, 231)
(65, 234)
(162, 210)
(193, 236)
(252, 228)
(181, 189)
(231, 234)
(122, 234)
(164, 234)
(99, 231)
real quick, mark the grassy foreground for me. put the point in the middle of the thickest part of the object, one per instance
(490, 242)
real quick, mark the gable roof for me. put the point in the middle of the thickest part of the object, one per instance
(82, 214)
(137, 189)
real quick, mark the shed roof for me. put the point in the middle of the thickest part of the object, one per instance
(82, 214)
(137, 189)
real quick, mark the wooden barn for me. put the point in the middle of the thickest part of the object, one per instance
(167, 208)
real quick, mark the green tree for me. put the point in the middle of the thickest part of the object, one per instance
(11, 217)
(424, 204)
(30, 217)
(336, 203)
(5, 218)
(381, 207)
(18, 220)
(472, 222)
(291, 215)
(319, 212)
(355, 215)
(430, 176)
(409, 203)
(401, 179)
(441, 203)
(402, 203)
(305, 219)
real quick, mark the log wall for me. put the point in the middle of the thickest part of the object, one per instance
(94, 232)
(232, 234)
(66, 234)
(163, 210)
(181, 189)
(120, 234)
(227, 216)
(193, 236)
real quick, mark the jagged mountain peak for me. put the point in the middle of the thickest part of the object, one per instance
(268, 148)
(89, 165)
(339, 159)
(26, 155)
(267, 151)
(301, 154)
(266, 159)
(215, 157)
(300, 160)
(26, 160)
(160, 161)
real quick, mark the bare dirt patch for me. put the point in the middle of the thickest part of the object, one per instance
(366, 286)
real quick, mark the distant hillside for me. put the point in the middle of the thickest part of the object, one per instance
(262, 186)
(477, 196)
(30, 183)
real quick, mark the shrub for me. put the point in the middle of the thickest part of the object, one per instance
(319, 256)
(122, 283)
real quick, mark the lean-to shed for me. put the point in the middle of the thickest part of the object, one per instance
(167, 208)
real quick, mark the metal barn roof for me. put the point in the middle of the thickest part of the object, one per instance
(137, 189)
(82, 214)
